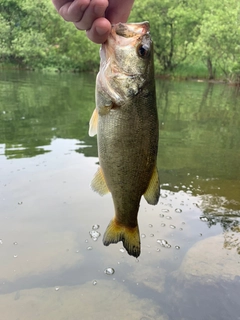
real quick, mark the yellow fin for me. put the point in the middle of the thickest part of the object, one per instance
(93, 124)
(98, 183)
(153, 191)
(129, 236)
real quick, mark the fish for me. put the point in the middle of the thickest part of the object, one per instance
(126, 123)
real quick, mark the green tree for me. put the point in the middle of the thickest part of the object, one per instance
(34, 35)
(218, 42)
(173, 26)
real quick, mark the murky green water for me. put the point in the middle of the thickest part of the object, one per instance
(51, 268)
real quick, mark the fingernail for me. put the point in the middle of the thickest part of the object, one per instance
(101, 31)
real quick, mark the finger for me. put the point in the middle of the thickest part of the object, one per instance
(119, 11)
(99, 31)
(59, 3)
(95, 10)
(71, 10)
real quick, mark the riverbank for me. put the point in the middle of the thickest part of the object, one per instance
(183, 72)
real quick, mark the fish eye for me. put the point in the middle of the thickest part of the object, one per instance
(143, 51)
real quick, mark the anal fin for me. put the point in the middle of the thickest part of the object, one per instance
(153, 191)
(98, 183)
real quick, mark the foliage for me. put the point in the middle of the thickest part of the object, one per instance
(186, 34)
(33, 35)
(172, 27)
(218, 43)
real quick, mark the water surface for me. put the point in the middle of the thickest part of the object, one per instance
(51, 267)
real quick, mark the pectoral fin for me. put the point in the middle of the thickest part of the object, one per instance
(99, 184)
(153, 191)
(93, 124)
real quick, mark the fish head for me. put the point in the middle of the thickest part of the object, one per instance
(127, 59)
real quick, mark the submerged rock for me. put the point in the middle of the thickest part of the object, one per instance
(214, 257)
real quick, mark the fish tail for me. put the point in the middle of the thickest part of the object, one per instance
(130, 238)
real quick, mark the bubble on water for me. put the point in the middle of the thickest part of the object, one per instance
(15, 243)
(164, 195)
(94, 235)
(158, 249)
(163, 224)
(183, 222)
(161, 215)
(57, 288)
(1, 241)
(94, 282)
(20, 202)
(150, 225)
(168, 217)
(86, 241)
(204, 219)
(95, 226)
(164, 243)
(165, 210)
(109, 271)
(172, 226)
(89, 248)
(143, 235)
(151, 235)
(196, 205)
(122, 250)
(77, 251)
(177, 247)
(178, 210)
(15, 256)
(200, 234)
(181, 229)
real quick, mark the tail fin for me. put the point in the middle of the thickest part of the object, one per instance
(129, 236)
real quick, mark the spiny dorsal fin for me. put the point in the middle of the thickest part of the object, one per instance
(98, 183)
(153, 191)
(93, 124)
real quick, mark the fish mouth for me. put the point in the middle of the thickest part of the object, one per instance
(130, 30)
(123, 34)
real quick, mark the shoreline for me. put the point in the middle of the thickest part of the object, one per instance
(161, 76)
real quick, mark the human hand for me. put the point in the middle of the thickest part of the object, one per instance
(94, 16)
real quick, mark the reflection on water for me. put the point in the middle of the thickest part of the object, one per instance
(52, 265)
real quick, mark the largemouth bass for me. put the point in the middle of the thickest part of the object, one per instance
(126, 123)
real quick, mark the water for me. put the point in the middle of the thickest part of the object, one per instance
(51, 267)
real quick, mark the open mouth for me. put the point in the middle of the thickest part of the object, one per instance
(131, 29)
